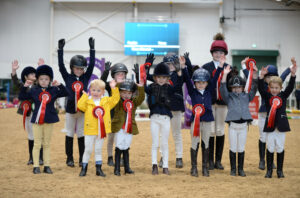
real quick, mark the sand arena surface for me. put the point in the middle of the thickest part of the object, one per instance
(17, 179)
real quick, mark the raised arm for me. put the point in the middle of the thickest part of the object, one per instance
(253, 90)
(223, 87)
(115, 94)
(261, 88)
(82, 102)
(289, 89)
(24, 93)
(141, 95)
(61, 65)
(14, 77)
(91, 66)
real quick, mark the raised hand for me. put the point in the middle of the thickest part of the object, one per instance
(28, 83)
(294, 67)
(41, 62)
(55, 83)
(83, 92)
(141, 84)
(150, 58)
(107, 65)
(14, 66)
(112, 84)
(186, 55)
(136, 68)
(92, 43)
(61, 44)
(182, 62)
(243, 62)
(263, 71)
(227, 69)
(222, 61)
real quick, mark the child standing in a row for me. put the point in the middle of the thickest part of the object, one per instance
(159, 94)
(76, 82)
(276, 123)
(201, 121)
(44, 115)
(97, 121)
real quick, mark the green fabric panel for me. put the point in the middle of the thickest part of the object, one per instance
(254, 52)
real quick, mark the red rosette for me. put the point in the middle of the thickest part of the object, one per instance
(219, 97)
(45, 98)
(276, 100)
(276, 103)
(148, 64)
(142, 73)
(198, 111)
(128, 106)
(77, 87)
(99, 112)
(26, 107)
(250, 63)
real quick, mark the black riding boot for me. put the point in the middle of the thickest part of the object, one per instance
(205, 156)
(99, 171)
(211, 153)
(219, 151)
(110, 161)
(232, 157)
(83, 170)
(69, 151)
(41, 161)
(30, 147)
(117, 161)
(262, 150)
(241, 157)
(126, 162)
(194, 171)
(280, 159)
(270, 159)
(80, 149)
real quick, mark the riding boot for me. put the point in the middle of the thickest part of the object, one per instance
(270, 159)
(194, 171)
(117, 161)
(211, 153)
(241, 157)
(262, 150)
(219, 151)
(30, 147)
(83, 169)
(69, 151)
(126, 162)
(232, 157)
(99, 171)
(80, 149)
(205, 157)
(280, 159)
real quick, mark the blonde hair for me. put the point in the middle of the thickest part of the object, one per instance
(275, 79)
(98, 83)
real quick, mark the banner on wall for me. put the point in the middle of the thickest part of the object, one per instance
(98, 69)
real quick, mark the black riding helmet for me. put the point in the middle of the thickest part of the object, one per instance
(127, 85)
(236, 81)
(78, 61)
(118, 67)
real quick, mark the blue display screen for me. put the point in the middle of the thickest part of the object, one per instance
(144, 38)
